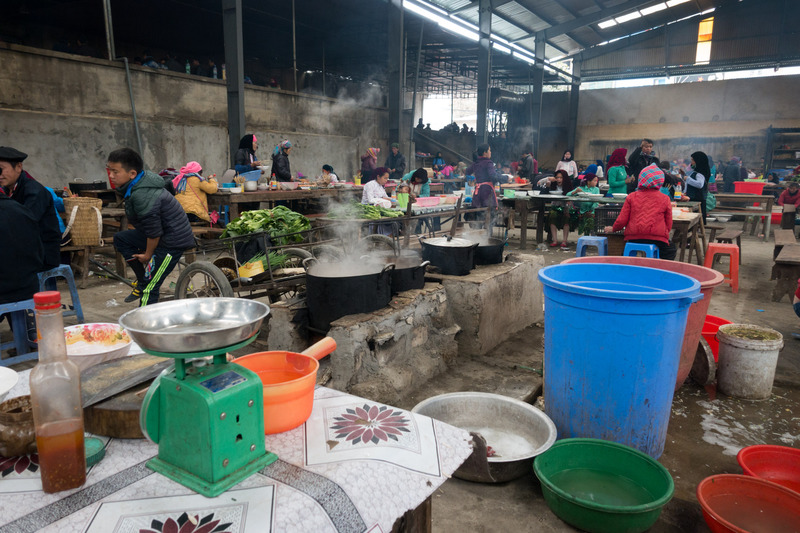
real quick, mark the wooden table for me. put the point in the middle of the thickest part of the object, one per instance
(689, 234)
(522, 205)
(233, 201)
(321, 482)
(748, 205)
(786, 271)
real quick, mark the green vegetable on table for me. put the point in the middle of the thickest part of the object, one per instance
(278, 222)
(358, 210)
(272, 261)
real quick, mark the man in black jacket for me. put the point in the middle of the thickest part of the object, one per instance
(162, 231)
(22, 251)
(396, 163)
(641, 157)
(20, 186)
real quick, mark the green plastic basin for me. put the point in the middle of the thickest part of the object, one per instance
(603, 487)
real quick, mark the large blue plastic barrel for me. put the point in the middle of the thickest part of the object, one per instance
(612, 343)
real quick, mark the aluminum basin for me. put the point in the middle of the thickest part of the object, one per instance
(515, 430)
(195, 324)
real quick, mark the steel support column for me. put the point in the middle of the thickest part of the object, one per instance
(572, 125)
(536, 95)
(234, 71)
(484, 68)
(395, 49)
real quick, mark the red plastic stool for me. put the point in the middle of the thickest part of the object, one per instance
(717, 248)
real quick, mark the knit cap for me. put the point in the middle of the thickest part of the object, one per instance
(651, 177)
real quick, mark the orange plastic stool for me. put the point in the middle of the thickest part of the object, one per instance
(717, 248)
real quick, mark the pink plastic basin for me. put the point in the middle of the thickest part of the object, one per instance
(708, 279)
(427, 201)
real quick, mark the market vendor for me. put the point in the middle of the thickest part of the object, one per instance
(418, 180)
(327, 177)
(791, 195)
(280, 161)
(486, 177)
(162, 231)
(20, 186)
(245, 158)
(191, 190)
(374, 192)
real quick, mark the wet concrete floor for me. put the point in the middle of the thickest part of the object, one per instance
(706, 428)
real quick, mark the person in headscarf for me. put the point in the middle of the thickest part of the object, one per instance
(600, 172)
(369, 162)
(647, 214)
(697, 180)
(245, 158)
(617, 174)
(191, 189)
(280, 161)
(567, 164)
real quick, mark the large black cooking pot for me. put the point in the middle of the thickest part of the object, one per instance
(334, 290)
(489, 252)
(75, 187)
(409, 269)
(453, 256)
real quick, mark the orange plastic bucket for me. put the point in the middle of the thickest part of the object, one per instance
(289, 379)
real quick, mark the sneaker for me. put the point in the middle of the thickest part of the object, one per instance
(133, 296)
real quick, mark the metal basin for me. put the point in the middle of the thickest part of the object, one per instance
(516, 431)
(194, 325)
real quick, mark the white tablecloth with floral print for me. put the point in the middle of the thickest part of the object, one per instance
(355, 465)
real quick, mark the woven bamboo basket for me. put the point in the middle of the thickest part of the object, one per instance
(85, 223)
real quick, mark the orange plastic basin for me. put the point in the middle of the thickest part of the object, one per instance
(289, 379)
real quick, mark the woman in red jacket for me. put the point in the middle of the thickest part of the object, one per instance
(647, 214)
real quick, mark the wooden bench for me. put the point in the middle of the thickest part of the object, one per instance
(728, 236)
(714, 228)
(786, 271)
(783, 237)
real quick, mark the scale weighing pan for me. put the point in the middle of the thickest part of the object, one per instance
(194, 325)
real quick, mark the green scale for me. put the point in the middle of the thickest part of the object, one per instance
(208, 421)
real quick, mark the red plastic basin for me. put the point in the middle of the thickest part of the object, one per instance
(708, 279)
(710, 327)
(748, 187)
(740, 504)
(779, 464)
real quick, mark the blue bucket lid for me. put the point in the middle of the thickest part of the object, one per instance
(615, 281)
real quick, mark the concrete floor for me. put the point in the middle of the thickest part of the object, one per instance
(705, 432)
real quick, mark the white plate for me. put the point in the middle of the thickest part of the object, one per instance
(595, 196)
(90, 344)
(8, 378)
(619, 195)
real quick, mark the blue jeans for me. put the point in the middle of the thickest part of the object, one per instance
(797, 308)
(165, 259)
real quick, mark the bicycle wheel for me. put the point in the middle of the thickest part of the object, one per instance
(202, 279)
(375, 242)
(294, 260)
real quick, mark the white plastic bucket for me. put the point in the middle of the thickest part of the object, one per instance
(748, 356)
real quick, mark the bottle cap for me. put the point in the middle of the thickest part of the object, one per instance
(47, 300)
(94, 450)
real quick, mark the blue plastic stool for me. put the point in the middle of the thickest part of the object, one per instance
(633, 249)
(64, 271)
(16, 313)
(601, 243)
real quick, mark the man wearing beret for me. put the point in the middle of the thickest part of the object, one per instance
(20, 186)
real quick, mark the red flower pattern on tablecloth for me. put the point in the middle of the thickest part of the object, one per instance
(11, 465)
(187, 524)
(370, 424)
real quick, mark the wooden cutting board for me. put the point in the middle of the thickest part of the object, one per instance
(117, 416)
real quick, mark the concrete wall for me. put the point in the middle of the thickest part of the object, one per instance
(721, 118)
(67, 112)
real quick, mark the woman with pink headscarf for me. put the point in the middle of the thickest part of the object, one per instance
(191, 189)
(369, 162)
